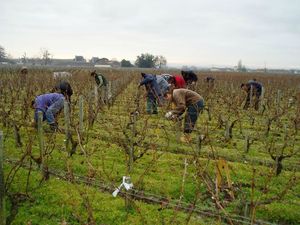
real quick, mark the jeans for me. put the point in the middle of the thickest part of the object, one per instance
(36, 113)
(191, 116)
(50, 112)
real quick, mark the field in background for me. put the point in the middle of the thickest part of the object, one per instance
(70, 178)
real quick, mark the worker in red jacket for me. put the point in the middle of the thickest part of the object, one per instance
(177, 81)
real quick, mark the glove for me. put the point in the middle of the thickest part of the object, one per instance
(53, 126)
(169, 115)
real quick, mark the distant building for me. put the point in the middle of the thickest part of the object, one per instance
(103, 61)
(214, 69)
(259, 71)
(222, 69)
(115, 63)
(94, 60)
(79, 58)
(102, 66)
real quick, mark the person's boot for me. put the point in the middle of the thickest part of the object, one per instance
(53, 127)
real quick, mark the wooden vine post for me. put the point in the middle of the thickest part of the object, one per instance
(2, 191)
(278, 101)
(251, 95)
(81, 115)
(41, 139)
(262, 99)
(109, 93)
(96, 94)
(67, 125)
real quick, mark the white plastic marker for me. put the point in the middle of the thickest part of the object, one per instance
(126, 183)
(116, 192)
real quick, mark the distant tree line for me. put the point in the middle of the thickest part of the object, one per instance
(241, 67)
(2, 54)
(126, 63)
(145, 60)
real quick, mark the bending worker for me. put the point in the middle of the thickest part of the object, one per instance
(190, 78)
(256, 89)
(153, 92)
(50, 105)
(102, 86)
(65, 88)
(189, 101)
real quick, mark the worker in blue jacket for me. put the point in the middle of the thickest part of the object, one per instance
(50, 105)
(153, 92)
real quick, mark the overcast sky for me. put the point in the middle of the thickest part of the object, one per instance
(189, 32)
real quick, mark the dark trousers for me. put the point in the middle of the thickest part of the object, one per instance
(191, 116)
(255, 98)
(151, 104)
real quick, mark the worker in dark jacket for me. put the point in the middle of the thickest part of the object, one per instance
(189, 101)
(209, 79)
(253, 88)
(99, 78)
(190, 78)
(50, 105)
(210, 82)
(153, 92)
(24, 71)
(102, 86)
(23, 77)
(65, 88)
